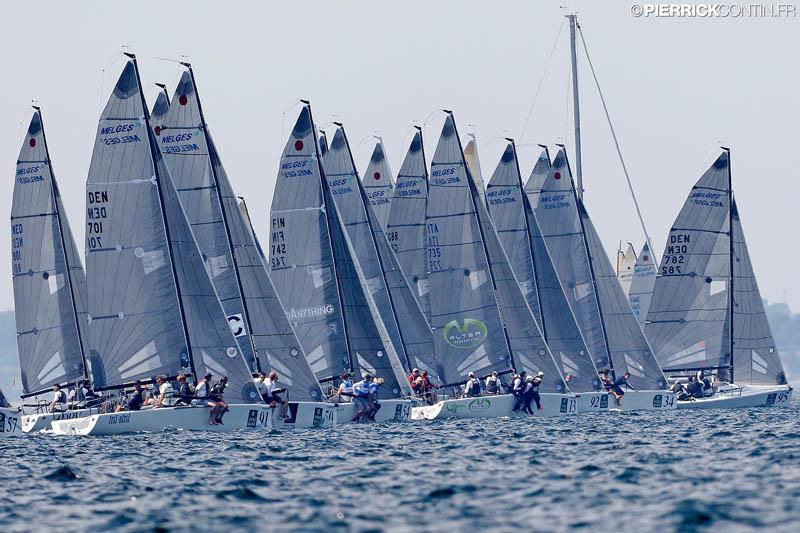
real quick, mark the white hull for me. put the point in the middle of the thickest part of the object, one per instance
(642, 400)
(736, 396)
(10, 422)
(42, 421)
(240, 416)
(390, 410)
(494, 406)
(305, 415)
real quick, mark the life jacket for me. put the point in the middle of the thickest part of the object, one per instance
(348, 386)
(62, 397)
(361, 389)
(492, 384)
(518, 385)
(473, 387)
(202, 389)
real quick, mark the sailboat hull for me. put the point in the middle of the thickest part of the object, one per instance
(391, 410)
(742, 396)
(642, 400)
(239, 417)
(493, 407)
(10, 423)
(42, 421)
(301, 415)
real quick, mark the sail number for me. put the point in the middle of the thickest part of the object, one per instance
(675, 254)
(17, 242)
(434, 250)
(278, 249)
(393, 237)
(96, 213)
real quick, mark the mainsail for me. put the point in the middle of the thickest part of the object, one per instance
(380, 346)
(49, 282)
(474, 165)
(232, 255)
(378, 184)
(694, 321)
(405, 229)
(301, 254)
(609, 327)
(160, 109)
(625, 265)
(152, 307)
(530, 260)
(642, 282)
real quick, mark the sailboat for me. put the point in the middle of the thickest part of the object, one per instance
(480, 319)
(233, 260)
(611, 331)
(642, 283)
(706, 314)
(530, 260)
(405, 229)
(49, 282)
(474, 165)
(10, 423)
(152, 309)
(377, 182)
(626, 262)
(318, 281)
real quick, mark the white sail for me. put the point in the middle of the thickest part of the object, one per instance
(378, 184)
(625, 264)
(474, 166)
(642, 283)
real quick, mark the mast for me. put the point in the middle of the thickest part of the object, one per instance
(471, 186)
(54, 192)
(325, 196)
(576, 108)
(731, 303)
(225, 221)
(525, 206)
(367, 206)
(154, 146)
(594, 276)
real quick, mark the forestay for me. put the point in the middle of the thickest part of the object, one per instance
(48, 278)
(467, 330)
(301, 254)
(373, 332)
(607, 323)
(642, 283)
(152, 307)
(530, 260)
(405, 229)
(377, 181)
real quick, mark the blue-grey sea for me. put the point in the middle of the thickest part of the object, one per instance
(685, 470)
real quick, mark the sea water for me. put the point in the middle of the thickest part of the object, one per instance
(681, 470)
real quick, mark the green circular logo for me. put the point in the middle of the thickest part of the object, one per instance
(470, 335)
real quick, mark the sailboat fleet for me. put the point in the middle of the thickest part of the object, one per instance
(365, 281)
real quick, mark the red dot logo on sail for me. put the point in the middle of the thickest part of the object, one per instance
(183, 100)
(646, 258)
(377, 175)
(158, 130)
(557, 175)
(298, 145)
(32, 142)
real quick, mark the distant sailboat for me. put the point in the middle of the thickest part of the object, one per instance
(626, 262)
(706, 313)
(610, 329)
(474, 165)
(480, 318)
(405, 229)
(642, 283)
(377, 181)
(49, 281)
(232, 256)
(527, 252)
(152, 308)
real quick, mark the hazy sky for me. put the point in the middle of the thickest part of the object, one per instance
(676, 88)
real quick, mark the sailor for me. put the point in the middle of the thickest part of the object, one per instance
(493, 384)
(531, 393)
(134, 401)
(426, 388)
(344, 393)
(202, 389)
(216, 396)
(361, 397)
(166, 394)
(374, 404)
(185, 393)
(616, 388)
(518, 390)
(59, 402)
(90, 397)
(472, 387)
(273, 397)
(694, 388)
(413, 378)
(261, 386)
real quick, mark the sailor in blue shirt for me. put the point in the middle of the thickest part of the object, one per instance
(374, 404)
(616, 389)
(361, 397)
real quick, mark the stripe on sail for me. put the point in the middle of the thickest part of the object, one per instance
(642, 283)
(152, 307)
(601, 309)
(530, 260)
(405, 229)
(48, 277)
(377, 182)
(301, 254)
(364, 290)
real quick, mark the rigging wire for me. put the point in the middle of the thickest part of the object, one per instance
(616, 142)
